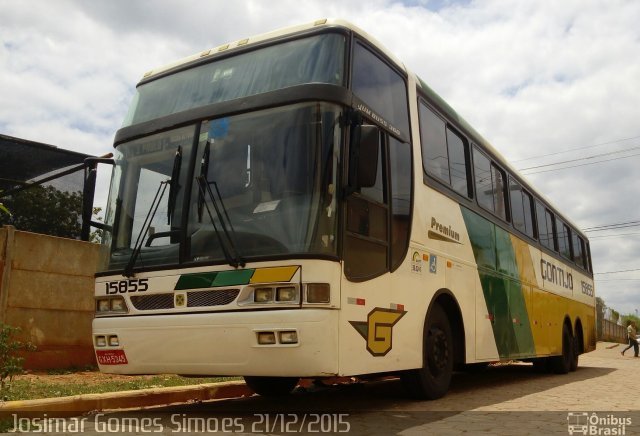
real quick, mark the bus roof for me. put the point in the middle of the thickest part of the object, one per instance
(273, 35)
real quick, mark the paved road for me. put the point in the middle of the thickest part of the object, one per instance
(600, 398)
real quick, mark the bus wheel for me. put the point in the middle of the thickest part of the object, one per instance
(541, 364)
(474, 368)
(562, 364)
(432, 380)
(271, 386)
(575, 354)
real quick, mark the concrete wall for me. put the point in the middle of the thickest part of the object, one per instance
(46, 289)
(613, 332)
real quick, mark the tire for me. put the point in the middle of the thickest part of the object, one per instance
(541, 365)
(432, 380)
(562, 364)
(575, 354)
(475, 368)
(271, 386)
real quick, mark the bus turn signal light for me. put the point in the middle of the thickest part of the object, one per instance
(318, 293)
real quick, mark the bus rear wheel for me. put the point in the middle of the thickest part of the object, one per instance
(271, 386)
(575, 353)
(432, 380)
(562, 364)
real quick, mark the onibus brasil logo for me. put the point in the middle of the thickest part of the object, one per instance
(593, 424)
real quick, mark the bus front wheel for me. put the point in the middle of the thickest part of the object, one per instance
(271, 386)
(432, 380)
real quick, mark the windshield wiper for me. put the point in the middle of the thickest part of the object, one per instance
(146, 225)
(157, 199)
(231, 253)
(174, 185)
(204, 170)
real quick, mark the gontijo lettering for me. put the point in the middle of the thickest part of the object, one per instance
(555, 274)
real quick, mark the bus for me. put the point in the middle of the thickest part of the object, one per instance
(300, 205)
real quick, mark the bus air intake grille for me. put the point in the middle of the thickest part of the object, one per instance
(211, 298)
(153, 302)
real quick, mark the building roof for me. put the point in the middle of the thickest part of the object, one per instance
(22, 160)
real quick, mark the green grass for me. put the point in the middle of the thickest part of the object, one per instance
(30, 390)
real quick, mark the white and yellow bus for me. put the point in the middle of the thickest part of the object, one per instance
(298, 204)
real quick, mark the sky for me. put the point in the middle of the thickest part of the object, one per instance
(544, 81)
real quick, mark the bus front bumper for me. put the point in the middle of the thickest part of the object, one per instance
(223, 343)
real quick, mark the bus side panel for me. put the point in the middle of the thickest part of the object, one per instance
(528, 295)
(380, 322)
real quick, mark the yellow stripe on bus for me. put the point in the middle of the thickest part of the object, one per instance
(275, 274)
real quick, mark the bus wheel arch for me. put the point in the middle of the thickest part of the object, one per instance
(441, 348)
(448, 302)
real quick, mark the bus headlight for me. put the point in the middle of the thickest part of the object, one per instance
(266, 338)
(110, 306)
(263, 295)
(277, 294)
(118, 305)
(102, 305)
(288, 337)
(287, 293)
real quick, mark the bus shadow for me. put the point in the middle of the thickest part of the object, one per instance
(468, 391)
(382, 407)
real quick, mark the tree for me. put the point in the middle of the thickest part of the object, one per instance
(630, 317)
(10, 360)
(46, 210)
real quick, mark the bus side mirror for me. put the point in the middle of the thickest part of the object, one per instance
(364, 155)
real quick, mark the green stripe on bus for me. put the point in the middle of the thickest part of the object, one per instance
(214, 279)
(501, 286)
(194, 281)
(232, 278)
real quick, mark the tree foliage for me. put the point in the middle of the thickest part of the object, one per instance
(46, 210)
(10, 361)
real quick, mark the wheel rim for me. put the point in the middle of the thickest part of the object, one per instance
(438, 351)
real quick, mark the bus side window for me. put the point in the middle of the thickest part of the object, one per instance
(458, 158)
(381, 87)
(578, 250)
(445, 153)
(433, 135)
(564, 240)
(551, 229)
(484, 185)
(490, 185)
(401, 181)
(546, 226)
(521, 206)
(499, 192)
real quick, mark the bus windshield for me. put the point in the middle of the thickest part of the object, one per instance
(262, 183)
(317, 59)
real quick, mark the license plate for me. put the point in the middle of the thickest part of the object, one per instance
(111, 357)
